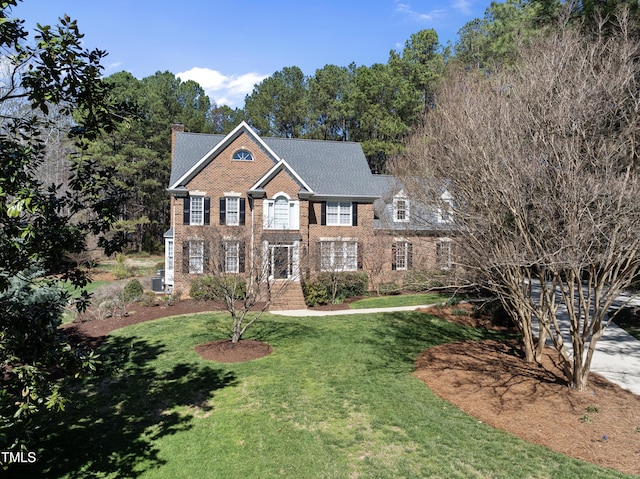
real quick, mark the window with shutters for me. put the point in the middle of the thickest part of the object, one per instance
(339, 213)
(197, 210)
(401, 255)
(232, 256)
(232, 210)
(196, 257)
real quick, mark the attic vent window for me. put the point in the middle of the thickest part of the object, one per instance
(242, 155)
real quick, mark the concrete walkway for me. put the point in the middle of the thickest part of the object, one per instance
(617, 355)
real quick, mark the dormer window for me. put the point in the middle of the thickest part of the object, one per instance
(401, 210)
(445, 211)
(242, 155)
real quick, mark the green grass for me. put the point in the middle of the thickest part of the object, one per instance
(335, 399)
(398, 300)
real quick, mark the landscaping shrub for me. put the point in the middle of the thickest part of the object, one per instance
(345, 285)
(419, 280)
(495, 310)
(315, 293)
(389, 289)
(132, 291)
(149, 298)
(210, 288)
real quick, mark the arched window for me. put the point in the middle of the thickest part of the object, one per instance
(242, 155)
(281, 213)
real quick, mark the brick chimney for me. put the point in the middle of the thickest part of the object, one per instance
(175, 128)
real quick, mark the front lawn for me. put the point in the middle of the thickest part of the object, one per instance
(335, 399)
(399, 300)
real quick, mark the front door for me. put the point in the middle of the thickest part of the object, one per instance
(280, 261)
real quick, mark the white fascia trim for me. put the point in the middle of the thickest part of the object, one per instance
(221, 145)
(281, 164)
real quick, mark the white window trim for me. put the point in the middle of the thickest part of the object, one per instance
(229, 247)
(268, 213)
(404, 255)
(170, 255)
(232, 218)
(445, 212)
(396, 200)
(196, 210)
(341, 205)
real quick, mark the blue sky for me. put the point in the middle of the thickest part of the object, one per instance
(229, 46)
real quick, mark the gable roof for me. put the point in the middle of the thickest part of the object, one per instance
(326, 168)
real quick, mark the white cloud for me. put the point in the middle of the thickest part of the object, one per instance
(406, 9)
(463, 6)
(223, 89)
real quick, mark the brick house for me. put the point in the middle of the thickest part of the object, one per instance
(302, 206)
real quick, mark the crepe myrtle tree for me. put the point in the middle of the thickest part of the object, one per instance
(542, 164)
(43, 224)
(244, 272)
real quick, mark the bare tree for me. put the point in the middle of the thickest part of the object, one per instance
(248, 275)
(541, 162)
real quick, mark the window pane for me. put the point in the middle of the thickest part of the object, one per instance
(197, 208)
(233, 211)
(401, 256)
(345, 213)
(281, 213)
(350, 256)
(170, 255)
(332, 213)
(196, 254)
(231, 257)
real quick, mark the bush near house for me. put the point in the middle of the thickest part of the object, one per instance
(133, 290)
(345, 285)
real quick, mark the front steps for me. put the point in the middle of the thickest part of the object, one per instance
(288, 296)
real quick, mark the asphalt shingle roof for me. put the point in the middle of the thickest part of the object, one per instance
(328, 167)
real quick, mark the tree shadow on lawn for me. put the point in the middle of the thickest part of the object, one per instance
(110, 427)
(402, 336)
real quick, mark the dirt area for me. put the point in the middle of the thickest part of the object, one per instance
(487, 380)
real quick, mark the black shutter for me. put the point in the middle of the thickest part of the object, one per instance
(394, 250)
(185, 257)
(222, 258)
(223, 211)
(241, 257)
(186, 211)
(354, 214)
(359, 255)
(409, 256)
(242, 210)
(323, 213)
(207, 210)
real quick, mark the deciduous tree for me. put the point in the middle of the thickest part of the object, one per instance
(541, 161)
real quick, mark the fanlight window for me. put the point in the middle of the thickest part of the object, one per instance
(242, 155)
